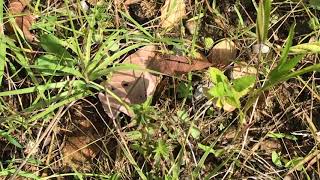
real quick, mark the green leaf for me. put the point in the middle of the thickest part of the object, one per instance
(161, 150)
(285, 51)
(113, 46)
(243, 83)
(315, 4)
(184, 90)
(195, 132)
(29, 175)
(281, 135)
(183, 115)
(76, 84)
(278, 72)
(208, 43)
(133, 135)
(276, 159)
(11, 139)
(313, 47)
(216, 75)
(54, 45)
(3, 52)
(314, 23)
(263, 18)
(218, 90)
(293, 162)
(216, 153)
(50, 65)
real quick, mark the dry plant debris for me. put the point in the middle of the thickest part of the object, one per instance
(132, 86)
(135, 86)
(172, 12)
(23, 18)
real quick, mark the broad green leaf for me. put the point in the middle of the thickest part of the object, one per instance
(243, 83)
(195, 132)
(216, 75)
(11, 139)
(54, 45)
(218, 90)
(276, 159)
(51, 65)
(184, 90)
(113, 46)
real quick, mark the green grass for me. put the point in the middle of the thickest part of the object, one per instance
(48, 92)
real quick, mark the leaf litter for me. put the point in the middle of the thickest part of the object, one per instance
(23, 18)
(135, 86)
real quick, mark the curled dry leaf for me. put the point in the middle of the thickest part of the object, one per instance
(172, 13)
(175, 65)
(23, 18)
(135, 86)
(223, 53)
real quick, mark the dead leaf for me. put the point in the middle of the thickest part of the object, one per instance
(135, 86)
(241, 69)
(175, 65)
(17, 6)
(79, 149)
(172, 13)
(23, 18)
(223, 53)
(132, 86)
(228, 107)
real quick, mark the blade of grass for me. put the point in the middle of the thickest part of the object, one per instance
(2, 44)
(76, 83)
(142, 29)
(109, 60)
(51, 108)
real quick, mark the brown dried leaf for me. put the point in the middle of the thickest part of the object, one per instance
(17, 6)
(172, 13)
(242, 69)
(134, 86)
(25, 21)
(223, 53)
(175, 65)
